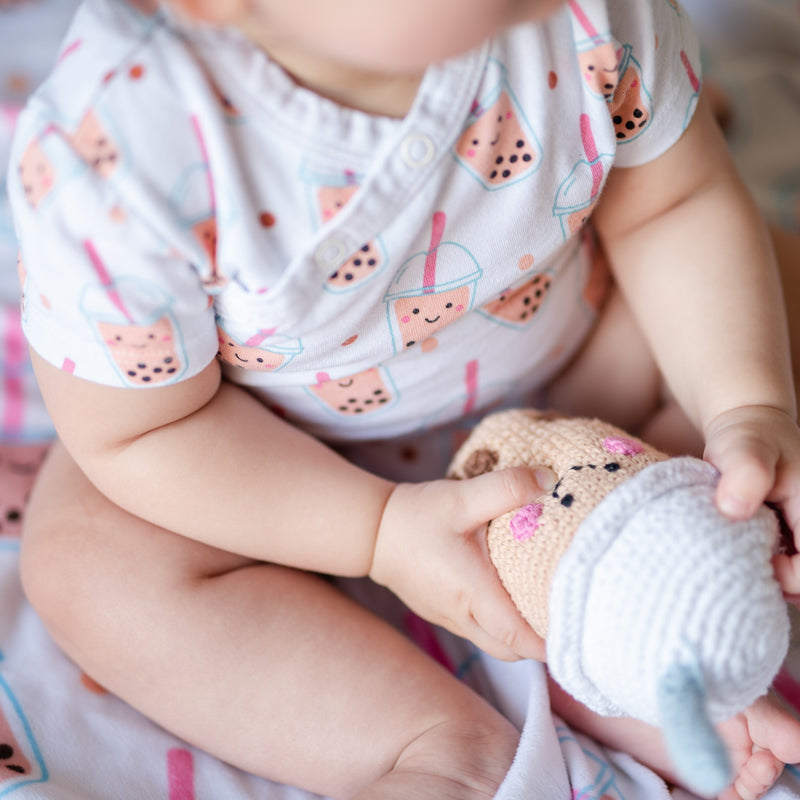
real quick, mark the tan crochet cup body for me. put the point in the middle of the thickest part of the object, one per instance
(589, 458)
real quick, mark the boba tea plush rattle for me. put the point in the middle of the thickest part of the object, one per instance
(653, 605)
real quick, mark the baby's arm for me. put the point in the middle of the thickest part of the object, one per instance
(690, 252)
(205, 459)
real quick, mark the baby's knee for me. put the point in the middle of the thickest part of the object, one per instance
(61, 550)
(50, 569)
(473, 754)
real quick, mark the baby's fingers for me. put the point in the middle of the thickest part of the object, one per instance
(787, 573)
(492, 494)
(499, 629)
(747, 465)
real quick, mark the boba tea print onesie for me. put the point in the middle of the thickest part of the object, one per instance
(178, 199)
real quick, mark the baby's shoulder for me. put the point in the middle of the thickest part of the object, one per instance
(122, 99)
(102, 43)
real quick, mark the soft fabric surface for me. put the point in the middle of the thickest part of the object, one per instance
(63, 738)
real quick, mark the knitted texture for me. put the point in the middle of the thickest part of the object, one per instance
(589, 457)
(631, 573)
(657, 577)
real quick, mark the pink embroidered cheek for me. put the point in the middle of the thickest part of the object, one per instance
(406, 319)
(525, 522)
(471, 153)
(619, 445)
(169, 339)
(459, 308)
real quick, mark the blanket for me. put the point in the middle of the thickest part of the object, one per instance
(63, 737)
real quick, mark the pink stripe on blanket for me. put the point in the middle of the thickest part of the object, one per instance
(14, 358)
(180, 773)
(423, 634)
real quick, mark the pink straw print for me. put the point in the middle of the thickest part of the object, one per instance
(10, 113)
(70, 49)
(437, 231)
(590, 148)
(105, 279)
(687, 65)
(471, 380)
(258, 338)
(180, 774)
(585, 22)
(425, 637)
(201, 141)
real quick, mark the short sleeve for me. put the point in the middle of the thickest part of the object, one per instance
(105, 296)
(659, 77)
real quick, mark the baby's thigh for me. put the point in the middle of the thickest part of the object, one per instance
(82, 557)
(199, 639)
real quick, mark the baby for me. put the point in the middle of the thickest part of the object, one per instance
(258, 234)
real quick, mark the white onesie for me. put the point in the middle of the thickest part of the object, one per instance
(179, 198)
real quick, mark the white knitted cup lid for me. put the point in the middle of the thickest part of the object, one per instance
(665, 595)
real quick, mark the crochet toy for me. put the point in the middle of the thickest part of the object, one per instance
(653, 605)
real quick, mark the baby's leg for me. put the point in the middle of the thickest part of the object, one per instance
(268, 668)
(760, 741)
(615, 378)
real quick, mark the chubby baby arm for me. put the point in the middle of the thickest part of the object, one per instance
(692, 255)
(205, 459)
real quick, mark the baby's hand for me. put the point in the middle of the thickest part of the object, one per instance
(757, 450)
(431, 552)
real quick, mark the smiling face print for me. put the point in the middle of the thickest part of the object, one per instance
(433, 288)
(599, 67)
(496, 145)
(94, 145)
(246, 356)
(630, 106)
(355, 395)
(144, 354)
(37, 174)
(332, 199)
(420, 317)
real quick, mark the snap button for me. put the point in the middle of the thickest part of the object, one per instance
(330, 253)
(417, 150)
